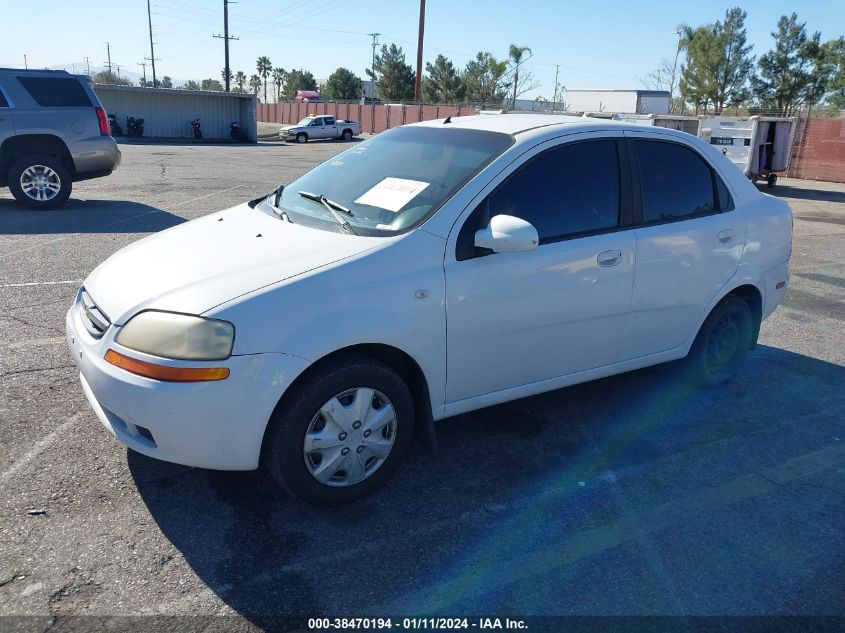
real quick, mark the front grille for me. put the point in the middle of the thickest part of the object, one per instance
(94, 320)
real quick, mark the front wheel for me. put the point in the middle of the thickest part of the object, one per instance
(40, 181)
(341, 433)
(722, 343)
(301, 138)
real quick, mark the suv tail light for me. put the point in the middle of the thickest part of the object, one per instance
(103, 121)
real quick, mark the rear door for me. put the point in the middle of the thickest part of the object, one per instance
(7, 125)
(689, 243)
(331, 127)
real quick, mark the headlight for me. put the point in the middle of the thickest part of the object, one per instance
(178, 336)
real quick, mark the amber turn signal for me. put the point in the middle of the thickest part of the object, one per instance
(162, 372)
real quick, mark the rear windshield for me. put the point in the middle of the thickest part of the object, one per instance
(394, 181)
(56, 92)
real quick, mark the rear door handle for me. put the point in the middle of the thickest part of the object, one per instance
(726, 235)
(609, 258)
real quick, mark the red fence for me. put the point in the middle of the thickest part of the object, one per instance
(373, 117)
(820, 150)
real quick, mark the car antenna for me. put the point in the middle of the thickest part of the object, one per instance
(448, 119)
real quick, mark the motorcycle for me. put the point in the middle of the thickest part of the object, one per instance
(195, 126)
(114, 126)
(134, 127)
(237, 132)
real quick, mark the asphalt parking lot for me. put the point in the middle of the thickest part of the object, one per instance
(629, 496)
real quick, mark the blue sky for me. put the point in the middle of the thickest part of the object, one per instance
(606, 44)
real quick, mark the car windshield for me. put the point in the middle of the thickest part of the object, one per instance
(394, 181)
(305, 122)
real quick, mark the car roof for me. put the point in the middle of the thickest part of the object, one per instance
(518, 122)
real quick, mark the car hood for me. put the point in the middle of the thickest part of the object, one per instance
(287, 128)
(198, 265)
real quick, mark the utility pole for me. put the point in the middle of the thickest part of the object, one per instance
(25, 65)
(554, 102)
(88, 64)
(418, 78)
(152, 58)
(226, 38)
(373, 67)
(108, 53)
(674, 68)
(144, 66)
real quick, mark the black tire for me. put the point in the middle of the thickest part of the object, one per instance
(283, 453)
(302, 137)
(62, 174)
(771, 181)
(722, 343)
(347, 135)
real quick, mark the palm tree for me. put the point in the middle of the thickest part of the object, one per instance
(263, 66)
(278, 80)
(223, 75)
(516, 53)
(240, 79)
(255, 84)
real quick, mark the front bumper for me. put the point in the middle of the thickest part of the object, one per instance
(217, 425)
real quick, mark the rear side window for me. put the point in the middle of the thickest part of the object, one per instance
(678, 183)
(56, 92)
(565, 191)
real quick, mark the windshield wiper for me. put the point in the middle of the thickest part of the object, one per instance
(333, 208)
(277, 209)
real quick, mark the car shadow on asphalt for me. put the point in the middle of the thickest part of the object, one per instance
(538, 463)
(801, 193)
(85, 216)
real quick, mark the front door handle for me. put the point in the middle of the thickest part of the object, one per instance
(609, 258)
(726, 235)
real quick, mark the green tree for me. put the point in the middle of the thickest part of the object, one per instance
(192, 85)
(517, 55)
(484, 80)
(279, 79)
(443, 83)
(264, 67)
(211, 84)
(106, 77)
(835, 53)
(394, 79)
(165, 82)
(298, 80)
(342, 85)
(796, 71)
(719, 62)
(255, 84)
(240, 80)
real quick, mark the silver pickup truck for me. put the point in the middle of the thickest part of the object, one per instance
(317, 127)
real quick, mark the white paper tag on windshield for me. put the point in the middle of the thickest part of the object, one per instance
(392, 193)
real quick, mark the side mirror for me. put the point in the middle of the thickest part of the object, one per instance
(507, 234)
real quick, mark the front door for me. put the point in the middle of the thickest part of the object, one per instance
(518, 318)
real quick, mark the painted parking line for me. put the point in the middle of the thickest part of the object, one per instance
(42, 283)
(39, 447)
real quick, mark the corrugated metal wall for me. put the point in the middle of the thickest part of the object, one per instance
(168, 113)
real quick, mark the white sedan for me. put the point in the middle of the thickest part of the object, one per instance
(434, 269)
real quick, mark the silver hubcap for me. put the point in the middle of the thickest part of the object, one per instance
(350, 437)
(300, 139)
(41, 183)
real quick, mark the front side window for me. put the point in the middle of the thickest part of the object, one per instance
(570, 190)
(395, 180)
(56, 92)
(677, 183)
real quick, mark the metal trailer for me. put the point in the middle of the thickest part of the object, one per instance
(683, 123)
(757, 145)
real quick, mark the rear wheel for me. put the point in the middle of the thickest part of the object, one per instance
(40, 181)
(722, 342)
(347, 135)
(301, 138)
(771, 181)
(341, 433)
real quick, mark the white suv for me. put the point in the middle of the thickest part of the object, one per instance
(435, 269)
